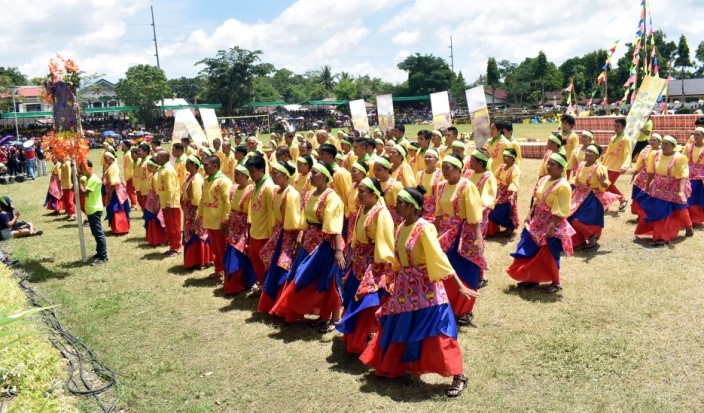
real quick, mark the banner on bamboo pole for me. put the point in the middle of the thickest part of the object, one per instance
(478, 114)
(385, 112)
(648, 94)
(358, 110)
(440, 102)
(210, 123)
(185, 116)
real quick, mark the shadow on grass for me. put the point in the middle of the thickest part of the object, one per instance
(502, 239)
(299, 331)
(242, 303)
(201, 282)
(155, 256)
(74, 264)
(403, 389)
(534, 294)
(344, 362)
(38, 272)
(179, 270)
(588, 255)
(136, 240)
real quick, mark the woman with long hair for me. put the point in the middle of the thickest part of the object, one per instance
(315, 281)
(196, 248)
(664, 202)
(458, 220)
(239, 273)
(505, 212)
(417, 331)
(430, 178)
(547, 233)
(279, 252)
(589, 199)
(372, 254)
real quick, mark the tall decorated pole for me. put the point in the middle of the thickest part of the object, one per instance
(66, 141)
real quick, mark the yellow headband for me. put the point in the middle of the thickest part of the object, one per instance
(370, 184)
(323, 170)
(559, 159)
(206, 151)
(588, 134)
(359, 166)
(433, 152)
(657, 136)
(383, 162)
(454, 161)
(477, 154)
(241, 169)
(401, 150)
(459, 144)
(110, 155)
(406, 197)
(281, 169)
(302, 159)
(672, 140)
(509, 154)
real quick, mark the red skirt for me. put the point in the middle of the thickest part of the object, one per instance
(460, 304)
(196, 253)
(156, 235)
(293, 305)
(119, 224)
(439, 354)
(666, 229)
(256, 245)
(584, 232)
(69, 202)
(696, 214)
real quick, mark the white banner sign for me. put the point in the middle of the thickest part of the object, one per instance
(648, 94)
(359, 115)
(440, 102)
(478, 114)
(385, 112)
(185, 116)
(210, 123)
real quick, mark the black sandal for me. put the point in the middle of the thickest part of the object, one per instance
(526, 285)
(622, 205)
(465, 319)
(483, 283)
(317, 323)
(327, 327)
(459, 383)
(552, 288)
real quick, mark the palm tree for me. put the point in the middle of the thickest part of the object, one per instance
(326, 77)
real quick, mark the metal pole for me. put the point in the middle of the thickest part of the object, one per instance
(156, 46)
(79, 213)
(452, 56)
(14, 107)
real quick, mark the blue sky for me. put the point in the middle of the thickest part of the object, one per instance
(356, 36)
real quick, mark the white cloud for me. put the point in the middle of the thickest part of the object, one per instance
(356, 36)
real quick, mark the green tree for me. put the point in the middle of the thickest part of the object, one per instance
(189, 88)
(541, 70)
(682, 60)
(458, 89)
(327, 78)
(264, 90)
(11, 76)
(346, 90)
(493, 76)
(369, 87)
(699, 54)
(144, 86)
(426, 74)
(230, 75)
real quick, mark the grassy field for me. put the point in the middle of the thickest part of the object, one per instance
(622, 336)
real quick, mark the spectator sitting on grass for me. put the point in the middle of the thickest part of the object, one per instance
(10, 225)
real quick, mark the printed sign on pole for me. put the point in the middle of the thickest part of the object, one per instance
(385, 112)
(359, 115)
(210, 123)
(478, 114)
(648, 94)
(440, 102)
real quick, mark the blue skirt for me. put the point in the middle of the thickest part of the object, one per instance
(469, 272)
(697, 197)
(501, 215)
(115, 206)
(148, 216)
(234, 260)
(635, 192)
(591, 212)
(320, 268)
(527, 248)
(656, 209)
(413, 327)
(354, 307)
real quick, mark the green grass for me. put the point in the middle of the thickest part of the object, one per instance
(32, 372)
(624, 335)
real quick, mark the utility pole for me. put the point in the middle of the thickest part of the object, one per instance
(156, 46)
(452, 56)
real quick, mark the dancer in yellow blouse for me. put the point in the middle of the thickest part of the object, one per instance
(694, 152)
(196, 249)
(115, 197)
(390, 187)
(401, 171)
(617, 159)
(214, 211)
(505, 212)
(430, 179)
(239, 273)
(485, 181)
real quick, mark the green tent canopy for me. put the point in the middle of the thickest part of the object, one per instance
(194, 106)
(24, 115)
(265, 104)
(408, 98)
(327, 102)
(110, 109)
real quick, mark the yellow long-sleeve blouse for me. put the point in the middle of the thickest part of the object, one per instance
(291, 216)
(595, 181)
(558, 199)
(381, 230)
(214, 207)
(404, 174)
(470, 202)
(510, 177)
(112, 174)
(193, 190)
(618, 153)
(333, 212)
(680, 170)
(487, 190)
(427, 253)
(260, 215)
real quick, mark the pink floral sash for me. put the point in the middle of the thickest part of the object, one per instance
(542, 215)
(667, 187)
(641, 178)
(430, 201)
(314, 235)
(502, 194)
(696, 169)
(410, 287)
(582, 190)
(372, 276)
(287, 253)
(55, 187)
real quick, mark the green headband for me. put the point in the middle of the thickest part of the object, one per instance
(281, 169)
(479, 155)
(110, 155)
(401, 150)
(657, 136)
(594, 149)
(241, 169)
(323, 170)
(340, 156)
(359, 166)
(303, 159)
(383, 162)
(152, 162)
(509, 154)
(195, 160)
(459, 144)
(206, 151)
(433, 152)
(370, 184)
(668, 138)
(559, 159)
(454, 161)
(588, 134)
(346, 139)
(406, 197)
(555, 140)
